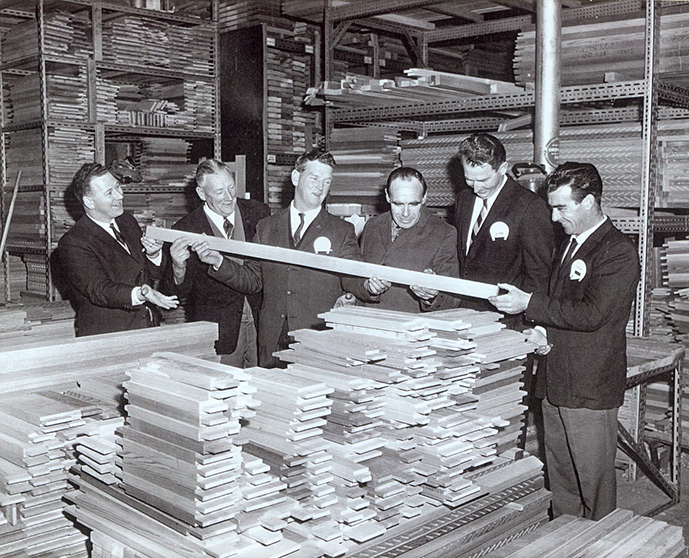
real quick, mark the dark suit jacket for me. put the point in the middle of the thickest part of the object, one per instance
(429, 244)
(206, 298)
(102, 275)
(523, 259)
(292, 293)
(586, 318)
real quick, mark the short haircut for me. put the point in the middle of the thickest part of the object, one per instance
(481, 148)
(406, 173)
(210, 166)
(582, 178)
(81, 183)
(314, 155)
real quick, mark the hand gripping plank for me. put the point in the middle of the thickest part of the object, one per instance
(335, 265)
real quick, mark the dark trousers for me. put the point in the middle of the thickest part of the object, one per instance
(580, 448)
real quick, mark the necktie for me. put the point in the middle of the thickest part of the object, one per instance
(479, 221)
(297, 233)
(570, 251)
(227, 226)
(118, 235)
(395, 231)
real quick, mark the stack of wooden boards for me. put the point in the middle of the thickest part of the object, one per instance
(418, 86)
(373, 429)
(56, 395)
(619, 534)
(610, 47)
(615, 149)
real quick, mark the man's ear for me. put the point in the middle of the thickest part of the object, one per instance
(387, 195)
(295, 177)
(200, 193)
(88, 202)
(503, 168)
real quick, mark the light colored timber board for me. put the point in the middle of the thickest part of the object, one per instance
(336, 265)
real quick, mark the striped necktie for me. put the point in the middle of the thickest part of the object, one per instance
(297, 233)
(227, 227)
(479, 221)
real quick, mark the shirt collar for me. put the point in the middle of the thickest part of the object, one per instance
(583, 237)
(216, 218)
(309, 217)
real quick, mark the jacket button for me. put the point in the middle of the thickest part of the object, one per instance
(282, 316)
(289, 292)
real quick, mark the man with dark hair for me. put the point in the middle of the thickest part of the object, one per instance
(504, 230)
(585, 313)
(409, 236)
(108, 263)
(293, 296)
(226, 216)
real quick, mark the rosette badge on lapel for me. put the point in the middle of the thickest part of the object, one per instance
(577, 271)
(322, 245)
(499, 230)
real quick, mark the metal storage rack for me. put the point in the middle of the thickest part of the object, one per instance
(87, 61)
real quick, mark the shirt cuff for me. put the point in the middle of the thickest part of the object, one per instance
(136, 299)
(157, 260)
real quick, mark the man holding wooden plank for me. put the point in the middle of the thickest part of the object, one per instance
(409, 236)
(504, 230)
(293, 296)
(585, 312)
(225, 216)
(107, 262)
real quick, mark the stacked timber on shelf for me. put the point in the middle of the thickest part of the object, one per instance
(62, 399)
(615, 149)
(608, 46)
(365, 157)
(235, 14)
(417, 86)
(44, 321)
(620, 534)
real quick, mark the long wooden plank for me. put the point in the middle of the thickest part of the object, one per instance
(336, 265)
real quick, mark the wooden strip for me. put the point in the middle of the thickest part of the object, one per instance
(336, 265)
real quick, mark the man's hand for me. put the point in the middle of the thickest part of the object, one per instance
(149, 294)
(376, 286)
(425, 294)
(179, 252)
(152, 247)
(514, 302)
(539, 338)
(206, 254)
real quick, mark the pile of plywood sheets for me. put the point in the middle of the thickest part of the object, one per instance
(620, 534)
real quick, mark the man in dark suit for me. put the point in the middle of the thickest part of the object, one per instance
(504, 229)
(585, 312)
(107, 262)
(226, 216)
(293, 296)
(409, 236)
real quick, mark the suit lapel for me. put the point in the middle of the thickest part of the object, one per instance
(132, 240)
(314, 230)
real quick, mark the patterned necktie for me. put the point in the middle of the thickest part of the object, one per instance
(395, 231)
(118, 235)
(297, 233)
(227, 226)
(479, 221)
(570, 251)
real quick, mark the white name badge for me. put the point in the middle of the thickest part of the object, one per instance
(577, 271)
(322, 245)
(499, 230)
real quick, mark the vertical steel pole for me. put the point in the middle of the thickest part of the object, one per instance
(547, 117)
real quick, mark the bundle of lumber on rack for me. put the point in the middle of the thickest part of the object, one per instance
(418, 86)
(609, 48)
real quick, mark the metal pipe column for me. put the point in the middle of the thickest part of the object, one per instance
(547, 117)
